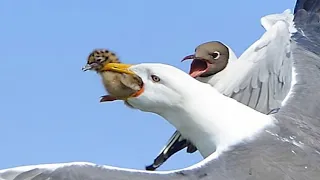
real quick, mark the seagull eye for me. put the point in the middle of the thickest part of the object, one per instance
(155, 78)
(215, 55)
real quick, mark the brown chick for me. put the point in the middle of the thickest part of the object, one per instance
(119, 85)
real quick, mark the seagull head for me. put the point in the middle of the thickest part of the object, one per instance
(209, 58)
(162, 86)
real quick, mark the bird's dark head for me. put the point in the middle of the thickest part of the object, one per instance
(98, 58)
(209, 58)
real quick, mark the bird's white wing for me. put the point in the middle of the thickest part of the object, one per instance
(261, 77)
(90, 171)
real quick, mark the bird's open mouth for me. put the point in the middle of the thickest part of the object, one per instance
(198, 66)
(124, 68)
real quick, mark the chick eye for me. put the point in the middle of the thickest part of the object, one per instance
(155, 78)
(99, 59)
(215, 55)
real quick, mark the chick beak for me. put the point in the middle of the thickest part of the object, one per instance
(188, 57)
(87, 67)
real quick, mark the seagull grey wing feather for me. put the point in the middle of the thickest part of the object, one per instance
(261, 77)
(78, 171)
(302, 111)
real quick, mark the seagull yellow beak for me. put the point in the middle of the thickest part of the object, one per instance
(118, 67)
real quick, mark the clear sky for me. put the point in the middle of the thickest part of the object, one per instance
(50, 110)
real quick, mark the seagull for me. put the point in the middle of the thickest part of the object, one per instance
(187, 104)
(285, 147)
(260, 78)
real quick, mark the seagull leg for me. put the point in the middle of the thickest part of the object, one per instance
(107, 98)
(191, 148)
(175, 144)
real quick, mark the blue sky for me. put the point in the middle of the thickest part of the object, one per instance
(50, 110)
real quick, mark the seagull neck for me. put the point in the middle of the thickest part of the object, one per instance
(216, 122)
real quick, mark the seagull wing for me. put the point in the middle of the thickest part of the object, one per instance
(261, 77)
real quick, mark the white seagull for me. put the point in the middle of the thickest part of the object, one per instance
(248, 144)
(261, 78)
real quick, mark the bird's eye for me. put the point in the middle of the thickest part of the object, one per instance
(99, 59)
(215, 55)
(155, 78)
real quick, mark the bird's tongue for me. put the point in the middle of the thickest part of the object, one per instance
(198, 67)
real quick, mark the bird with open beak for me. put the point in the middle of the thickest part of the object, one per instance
(119, 85)
(209, 58)
(260, 78)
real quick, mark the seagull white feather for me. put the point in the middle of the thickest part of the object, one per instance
(197, 110)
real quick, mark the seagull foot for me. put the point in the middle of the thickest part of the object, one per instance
(107, 98)
(150, 168)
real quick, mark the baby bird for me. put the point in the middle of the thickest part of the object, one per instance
(118, 85)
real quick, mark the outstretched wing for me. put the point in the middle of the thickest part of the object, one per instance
(261, 77)
(302, 110)
(74, 171)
